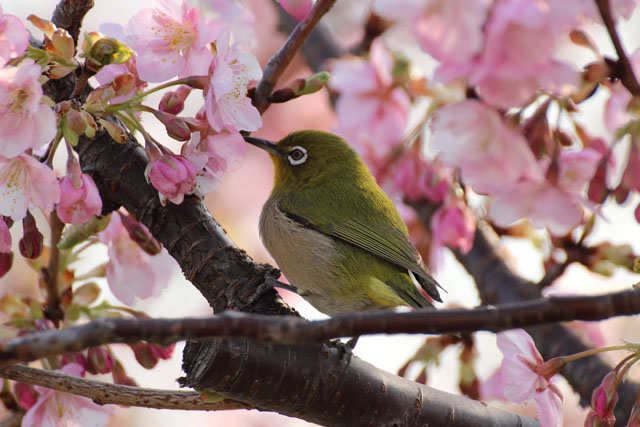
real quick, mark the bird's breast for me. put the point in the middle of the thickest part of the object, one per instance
(307, 257)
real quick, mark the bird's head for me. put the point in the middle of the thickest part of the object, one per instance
(309, 157)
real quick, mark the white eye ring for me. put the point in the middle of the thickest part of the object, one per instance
(297, 155)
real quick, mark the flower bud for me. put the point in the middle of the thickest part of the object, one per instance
(141, 235)
(145, 357)
(162, 352)
(26, 395)
(176, 127)
(603, 401)
(6, 260)
(100, 360)
(173, 176)
(120, 376)
(77, 358)
(173, 102)
(31, 243)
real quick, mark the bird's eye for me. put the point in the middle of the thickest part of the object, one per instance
(297, 155)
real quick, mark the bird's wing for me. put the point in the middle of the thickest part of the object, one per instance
(385, 241)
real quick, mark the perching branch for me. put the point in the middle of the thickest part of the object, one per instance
(281, 60)
(105, 393)
(627, 77)
(295, 330)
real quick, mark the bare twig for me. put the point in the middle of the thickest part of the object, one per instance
(627, 78)
(53, 311)
(295, 330)
(279, 62)
(104, 393)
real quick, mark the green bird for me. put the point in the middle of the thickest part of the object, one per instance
(334, 233)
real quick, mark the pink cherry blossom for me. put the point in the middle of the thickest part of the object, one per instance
(299, 9)
(131, 272)
(525, 376)
(14, 37)
(543, 203)
(226, 100)
(171, 40)
(453, 225)
(517, 58)
(372, 113)
(577, 168)
(236, 16)
(5, 237)
(78, 204)
(417, 178)
(491, 156)
(24, 121)
(111, 71)
(173, 176)
(55, 408)
(448, 30)
(24, 180)
(225, 150)
(572, 13)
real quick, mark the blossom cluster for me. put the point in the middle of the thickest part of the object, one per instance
(179, 47)
(497, 78)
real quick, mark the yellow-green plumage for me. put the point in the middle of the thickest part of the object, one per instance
(334, 233)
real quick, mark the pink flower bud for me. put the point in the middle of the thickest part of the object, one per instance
(6, 260)
(100, 360)
(77, 358)
(162, 352)
(120, 376)
(26, 395)
(176, 127)
(31, 243)
(454, 225)
(141, 235)
(173, 102)
(78, 203)
(145, 357)
(173, 176)
(597, 191)
(603, 402)
(5, 236)
(299, 9)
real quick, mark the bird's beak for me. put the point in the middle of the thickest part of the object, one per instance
(265, 144)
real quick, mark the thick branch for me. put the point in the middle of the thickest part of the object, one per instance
(295, 330)
(69, 15)
(627, 78)
(104, 393)
(279, 62)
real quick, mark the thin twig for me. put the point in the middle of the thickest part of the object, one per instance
(105, 393)
(627, 78)
(295, 330)
(53, 311)
(279, 62)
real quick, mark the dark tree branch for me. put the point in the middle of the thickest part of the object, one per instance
(281, 60)
(105, 393)
(69, 15)
(627, 78)
(295, 330)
